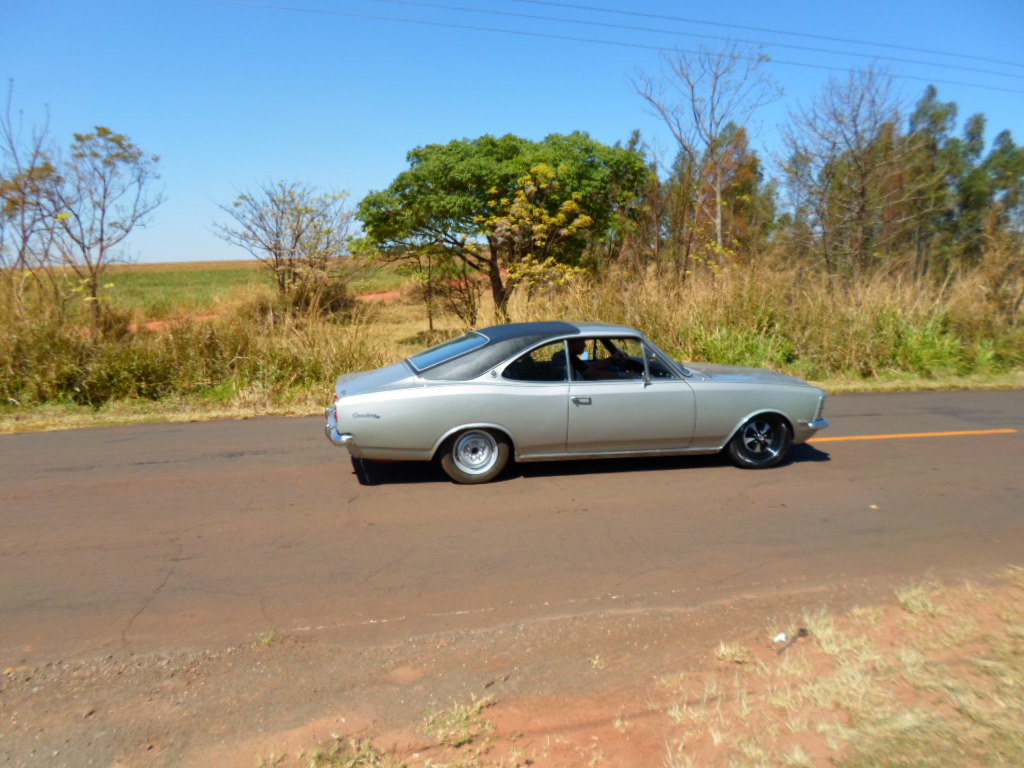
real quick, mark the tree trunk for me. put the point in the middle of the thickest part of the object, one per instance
(499, 290)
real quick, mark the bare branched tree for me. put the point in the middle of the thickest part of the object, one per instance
(847, 165)
(27, 180)
(103, 195)
(699, 95)
(297, 233)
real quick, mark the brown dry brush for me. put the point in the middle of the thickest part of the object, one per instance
(255, 348)
(762, 313)
(812, 324)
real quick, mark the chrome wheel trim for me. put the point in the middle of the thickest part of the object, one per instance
(761, 439)
(475, 452)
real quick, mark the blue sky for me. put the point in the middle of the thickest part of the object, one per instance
(335, 93)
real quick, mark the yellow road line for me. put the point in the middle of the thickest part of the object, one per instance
(914, 434)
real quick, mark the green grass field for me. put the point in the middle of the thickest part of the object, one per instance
(169, 290)
(162, 290)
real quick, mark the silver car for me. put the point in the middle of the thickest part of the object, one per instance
(554, 390)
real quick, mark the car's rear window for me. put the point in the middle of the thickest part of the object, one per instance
(447, 351)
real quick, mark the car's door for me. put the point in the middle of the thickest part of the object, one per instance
(536, 401)
(643, 406)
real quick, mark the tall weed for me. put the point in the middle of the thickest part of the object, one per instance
(218, 359)
(252, 349)
(809, 324)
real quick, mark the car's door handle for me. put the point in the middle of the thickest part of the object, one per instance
(581, 400)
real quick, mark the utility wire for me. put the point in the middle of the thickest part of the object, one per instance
(769, 30)
(570, 38)
(627, 27)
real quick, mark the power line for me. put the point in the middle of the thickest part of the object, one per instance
(570, 38)
(627, 27)
(769, 30)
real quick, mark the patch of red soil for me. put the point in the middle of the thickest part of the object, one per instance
(379, 296)
(168, 324)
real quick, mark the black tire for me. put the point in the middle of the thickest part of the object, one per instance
(763, 441)
(362, 469)
(475, 456)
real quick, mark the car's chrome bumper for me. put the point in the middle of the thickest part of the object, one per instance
(815, 425)
(805, 430)
(340, 439)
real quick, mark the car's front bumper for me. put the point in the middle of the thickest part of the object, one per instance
(805, 430)
(340, 439)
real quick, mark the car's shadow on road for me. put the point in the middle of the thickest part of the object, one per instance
(372, 473)
(806, 453)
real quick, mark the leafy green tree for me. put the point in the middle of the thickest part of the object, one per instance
(500, 205)
(865, 190)
(535, 224)
(934, 163)
(989, 190)
(1005, 165)
(968, 196)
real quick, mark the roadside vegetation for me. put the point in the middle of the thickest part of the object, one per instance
(882, 248)
(936, 678)
(222, 342)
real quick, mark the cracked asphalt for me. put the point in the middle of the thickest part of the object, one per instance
(185, 541)
(188, 536)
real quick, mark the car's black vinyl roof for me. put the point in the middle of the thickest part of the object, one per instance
(504, 341)
(498, 333)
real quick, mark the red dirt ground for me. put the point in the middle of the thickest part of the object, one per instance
(603, 690)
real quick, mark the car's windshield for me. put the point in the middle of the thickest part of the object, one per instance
(447, 351)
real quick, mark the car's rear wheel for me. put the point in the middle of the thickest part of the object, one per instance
(475, 456)
(763, 441)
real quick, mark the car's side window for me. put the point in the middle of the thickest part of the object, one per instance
(656, 367)
(606, 359)
(628, 357)
(547, 363)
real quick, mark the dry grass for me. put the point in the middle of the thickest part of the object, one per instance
(460, 724)
(883, 326)
(934, 679)
(937, 680)
(241, 354)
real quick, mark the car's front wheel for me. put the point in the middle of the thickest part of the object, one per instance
(763, 441)
(475, 456)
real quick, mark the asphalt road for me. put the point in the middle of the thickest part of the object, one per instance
(180, 536)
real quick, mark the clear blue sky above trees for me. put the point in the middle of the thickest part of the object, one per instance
(336, 92)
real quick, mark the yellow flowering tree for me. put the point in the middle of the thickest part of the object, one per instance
(505, 206)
